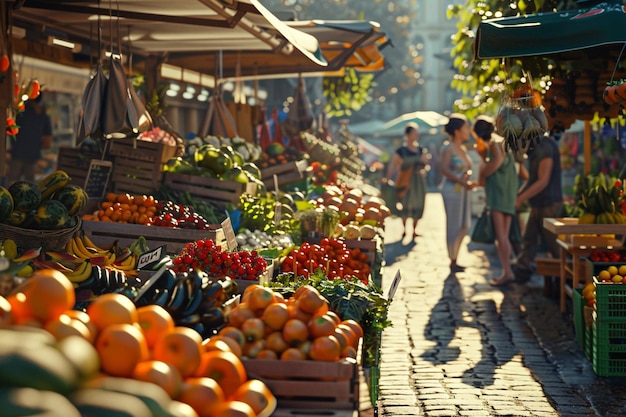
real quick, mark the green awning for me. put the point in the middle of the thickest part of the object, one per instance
(552, 33)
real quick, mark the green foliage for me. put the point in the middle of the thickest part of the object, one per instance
(348, 93)
(482, 83)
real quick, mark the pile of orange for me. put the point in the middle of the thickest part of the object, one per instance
(144, 344)
(125, 208)
(266, 326)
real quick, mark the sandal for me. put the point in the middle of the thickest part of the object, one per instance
(502, 281)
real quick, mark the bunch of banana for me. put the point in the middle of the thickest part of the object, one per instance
(601, 206)
(82, 247)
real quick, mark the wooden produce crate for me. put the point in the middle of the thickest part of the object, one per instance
(312, 385)
(212, 190)
(75, 163)
(599, 235)
(138, 165)
(103, 233)
(285, 173)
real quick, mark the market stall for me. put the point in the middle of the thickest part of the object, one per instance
(587, 56)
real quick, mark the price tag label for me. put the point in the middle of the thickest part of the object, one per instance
(229, 234)
(97, 178)
(394, 285)
(151, 258)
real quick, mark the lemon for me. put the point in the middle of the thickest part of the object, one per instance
(604, 275)
(617, 278)
(622, 270)
(589, 290)
(612, 270)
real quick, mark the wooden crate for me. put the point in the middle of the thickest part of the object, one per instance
(138, 165)
(75, 163)
(212, 190)
(311, 385)
(569, 231)
(103, 233)
(285, 173)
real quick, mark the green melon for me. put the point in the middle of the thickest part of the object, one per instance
(51, 214)
(26, 195)
(16, 218)
(73, 197)
(6, 204)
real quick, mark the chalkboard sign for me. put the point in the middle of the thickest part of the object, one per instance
(97, 178)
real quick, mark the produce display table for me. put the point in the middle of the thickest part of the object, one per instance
(577, 241)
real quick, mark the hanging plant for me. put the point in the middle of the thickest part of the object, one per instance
(348, 93)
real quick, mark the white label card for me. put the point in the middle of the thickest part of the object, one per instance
(394, 285)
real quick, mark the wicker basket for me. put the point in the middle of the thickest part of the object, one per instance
(45, 239)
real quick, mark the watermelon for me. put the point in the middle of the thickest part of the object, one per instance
(73, 197)
(51, 214)
(6, 204)
(26, 195)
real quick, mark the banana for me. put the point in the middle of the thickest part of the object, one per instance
(83, 250)
(81, 273)
(128, 263)
(110, 257)
(89, 243)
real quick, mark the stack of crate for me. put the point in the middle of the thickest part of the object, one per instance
(609, 329)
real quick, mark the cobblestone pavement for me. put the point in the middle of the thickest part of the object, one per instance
(459, 347)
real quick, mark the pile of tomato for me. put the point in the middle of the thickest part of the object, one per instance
(330, 255)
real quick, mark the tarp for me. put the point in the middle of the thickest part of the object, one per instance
(426, 120)
(552, 33)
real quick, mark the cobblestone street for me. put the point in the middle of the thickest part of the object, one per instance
(459, 347)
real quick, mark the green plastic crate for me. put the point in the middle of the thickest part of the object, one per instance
(579, 320)
(610, 301)
(589, 343)
(609, 347)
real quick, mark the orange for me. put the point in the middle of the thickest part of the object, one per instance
(247, 291)
(48, 294)
(234, 333)
(278, 297)
(83, 317)
(180, 347)
(295, 332)
(112, 308)
(234, 345)
(260, 297)
(64, 326)
(353, 339)
(310, 300)
(342, 336)
(305, 347)
(6, 315)
(321, 326)
(252, 349)
(295, 312)
(111, 197)
(239, 314)
(225, 368)
(233, 409)
(203, 394)
(335, 317)
(257, 395)
(266, 354)
(121, 347)
(19, 309)
(349, 352)
(216, 345)
(160, 373)
(154, 321)
(276, 315)
(181, 409)
(274, 341)
(293, 353)
(355, 326)
(325, 348)
(253, 329)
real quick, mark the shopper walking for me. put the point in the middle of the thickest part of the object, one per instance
(498, 175)
(544, 194)
(407, 169)
(456, 168)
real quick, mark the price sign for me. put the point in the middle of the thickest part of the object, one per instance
(394, 285)
(149, 259)
(97, 178)
(229, 234)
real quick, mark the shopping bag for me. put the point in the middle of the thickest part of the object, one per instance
(403, 182)
(483, 229)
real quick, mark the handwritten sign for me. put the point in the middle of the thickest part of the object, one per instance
(97, 178)
(229, 234)
(148, 259)
(394, 285)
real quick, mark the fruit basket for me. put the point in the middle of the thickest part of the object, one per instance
(47, 240)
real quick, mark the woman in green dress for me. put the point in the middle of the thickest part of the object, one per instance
(498, 175)
(408, 171)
